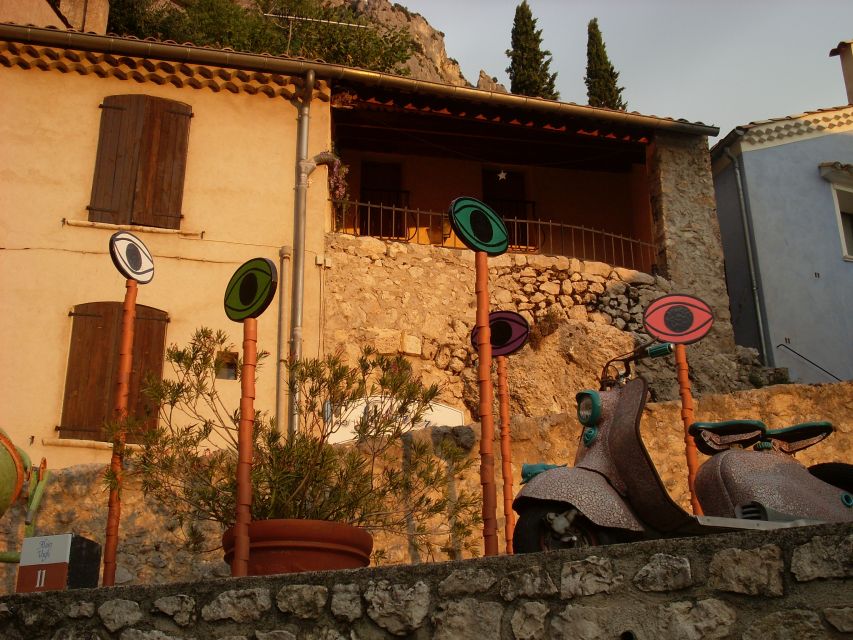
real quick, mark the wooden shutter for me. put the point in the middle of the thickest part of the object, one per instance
(141, 162)
(90, 380)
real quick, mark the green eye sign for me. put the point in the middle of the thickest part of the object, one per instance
(480, 228)
(251, 289)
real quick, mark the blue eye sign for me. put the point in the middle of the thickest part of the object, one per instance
(131, 257)
(251, 289)
(678, 318)
(509, 332)
(480, 228)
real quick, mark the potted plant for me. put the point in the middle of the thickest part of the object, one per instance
(189, 462)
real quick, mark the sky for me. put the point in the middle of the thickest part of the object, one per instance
(720, 62)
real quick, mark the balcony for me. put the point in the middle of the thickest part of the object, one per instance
(403, 224)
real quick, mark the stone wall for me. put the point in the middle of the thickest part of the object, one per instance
(795, 583)
(151, 550)
(419, 300)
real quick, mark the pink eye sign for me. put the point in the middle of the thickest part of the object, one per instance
(678, 318)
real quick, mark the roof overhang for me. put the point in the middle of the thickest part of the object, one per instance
(359, 80)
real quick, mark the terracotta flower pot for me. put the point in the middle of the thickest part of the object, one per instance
(290, 546)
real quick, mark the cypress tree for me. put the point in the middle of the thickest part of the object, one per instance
(529, 71)
(601, 77)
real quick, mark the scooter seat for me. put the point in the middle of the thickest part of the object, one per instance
(799, 436)
(712, 437)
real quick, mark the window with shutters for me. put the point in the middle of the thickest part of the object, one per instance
(141, 162)
(90, 380)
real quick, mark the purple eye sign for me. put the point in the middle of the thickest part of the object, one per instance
(131, 257)
(678, 318)
(509, 332)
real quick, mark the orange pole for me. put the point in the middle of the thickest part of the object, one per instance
(506, 451)
(240, 561)
(487, 398)
(688, 419)
(122, 394)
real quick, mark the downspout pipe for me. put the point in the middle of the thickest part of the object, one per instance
(750, 259)
(304, 168)
(285, 255)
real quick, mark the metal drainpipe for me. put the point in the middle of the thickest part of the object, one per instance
(304, 168)
(744, 216)
(285, 254)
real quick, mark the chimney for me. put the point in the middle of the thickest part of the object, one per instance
(845, 50)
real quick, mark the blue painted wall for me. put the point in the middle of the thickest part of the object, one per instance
(796, 236)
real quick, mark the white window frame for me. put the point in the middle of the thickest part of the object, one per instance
(840, 178)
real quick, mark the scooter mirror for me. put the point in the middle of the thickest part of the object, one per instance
(589, 408)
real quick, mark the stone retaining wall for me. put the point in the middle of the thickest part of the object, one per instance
(419, 300)
(795, 583)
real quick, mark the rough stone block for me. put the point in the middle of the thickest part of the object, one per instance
(137, 634)
(118, 613)
(551, 288)
(796, 623)
(823, 557)
(346, 602)
(397, 608)
(81, 609)
(529, 583)
(599, 269)
(181, 608)
(589, 576)
(664, 572)
(841, 618)
(466, 581)
(411, 345)
(467, 618)
(528, 621)
(580, 623)
(386, 341)
(278, 634)
(750, 571)
(634, 277)
(709, 619)
(305, 601)
(239, 605)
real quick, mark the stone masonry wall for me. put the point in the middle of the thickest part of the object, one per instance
(419, 300)
(151, 551)
(794, 583)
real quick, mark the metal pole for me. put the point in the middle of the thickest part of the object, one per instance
(122, 394)
(506, 451)
(284, 255)
(688, 419)
(297, 290)
(484, 377)
(240, 561)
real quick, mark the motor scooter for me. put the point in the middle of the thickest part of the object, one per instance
(613, 492)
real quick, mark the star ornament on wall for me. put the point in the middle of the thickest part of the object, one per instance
(502, 175)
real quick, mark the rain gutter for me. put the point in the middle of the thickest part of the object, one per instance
(746, 222)
(324, 71)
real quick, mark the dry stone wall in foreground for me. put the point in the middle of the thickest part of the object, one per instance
(795, 583)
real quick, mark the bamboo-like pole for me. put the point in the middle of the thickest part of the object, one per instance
(487, 397)
(506, 451)
(122, 394)
(688, 419)
(240, 561)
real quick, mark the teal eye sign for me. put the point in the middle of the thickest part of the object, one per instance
(478, 226)
(251, 289)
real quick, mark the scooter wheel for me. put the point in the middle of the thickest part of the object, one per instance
(534, 532)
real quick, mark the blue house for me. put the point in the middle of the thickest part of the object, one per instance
(784, 191)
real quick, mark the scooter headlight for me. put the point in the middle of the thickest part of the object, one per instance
(589, 408)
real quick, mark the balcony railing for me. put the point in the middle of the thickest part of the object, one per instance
(414, 226)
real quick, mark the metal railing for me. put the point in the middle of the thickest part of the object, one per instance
(403, 224)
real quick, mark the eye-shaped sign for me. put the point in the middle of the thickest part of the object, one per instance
(251, 289)
(480, 228)
(678, 318)
(131, 257)
(509, 332)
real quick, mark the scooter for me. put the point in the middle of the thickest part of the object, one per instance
(613, 492)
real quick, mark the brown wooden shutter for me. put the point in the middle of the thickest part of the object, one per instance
(141, 162)
(92, 367)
